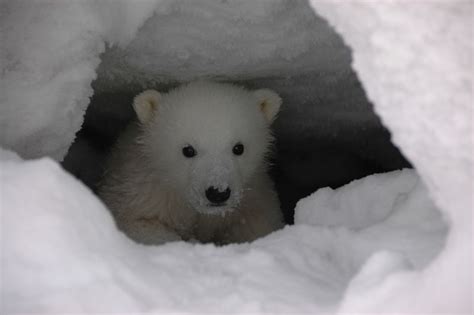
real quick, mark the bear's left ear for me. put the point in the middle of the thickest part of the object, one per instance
(145, 104)
(269, 103)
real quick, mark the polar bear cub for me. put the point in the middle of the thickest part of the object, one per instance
(194, 166)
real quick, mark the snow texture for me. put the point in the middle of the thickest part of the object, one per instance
(60, 249)
(54, 260)
(192, 44)
(48, 65)
(416, 64)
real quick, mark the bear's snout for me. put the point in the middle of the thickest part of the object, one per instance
(216, 196)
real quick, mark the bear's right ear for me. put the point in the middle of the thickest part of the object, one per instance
(145, 104)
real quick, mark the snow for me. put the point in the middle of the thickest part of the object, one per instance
(192, 44)
(375, 245)
(50, 60)
(421, 85)
(341, 207)
(54, 260)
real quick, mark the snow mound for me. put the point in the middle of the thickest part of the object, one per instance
(386, 212)
(415, 61)
(49, 62)
(343, 206)
(63, 252)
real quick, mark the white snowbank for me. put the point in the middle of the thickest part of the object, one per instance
(48, 61)
(415, 61)
(67, 256)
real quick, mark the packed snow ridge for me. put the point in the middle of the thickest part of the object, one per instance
(68, 242)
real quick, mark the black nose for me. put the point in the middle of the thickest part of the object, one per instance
(215, 196)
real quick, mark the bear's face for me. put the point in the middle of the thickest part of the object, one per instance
(207, 140)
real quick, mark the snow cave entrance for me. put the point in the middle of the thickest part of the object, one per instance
(327, 132)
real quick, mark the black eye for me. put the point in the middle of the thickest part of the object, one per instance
(238, 149)
(188, 151)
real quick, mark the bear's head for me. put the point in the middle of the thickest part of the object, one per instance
(207, 141)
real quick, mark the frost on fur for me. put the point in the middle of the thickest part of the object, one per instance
(196, 170)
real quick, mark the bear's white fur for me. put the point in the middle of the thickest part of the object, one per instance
(157, 194)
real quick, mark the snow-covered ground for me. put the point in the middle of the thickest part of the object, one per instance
(377, 244)
(67, 255)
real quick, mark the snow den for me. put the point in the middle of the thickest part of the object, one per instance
(327, 132)
(372, 163)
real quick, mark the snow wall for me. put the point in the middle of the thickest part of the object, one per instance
(61, 250)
